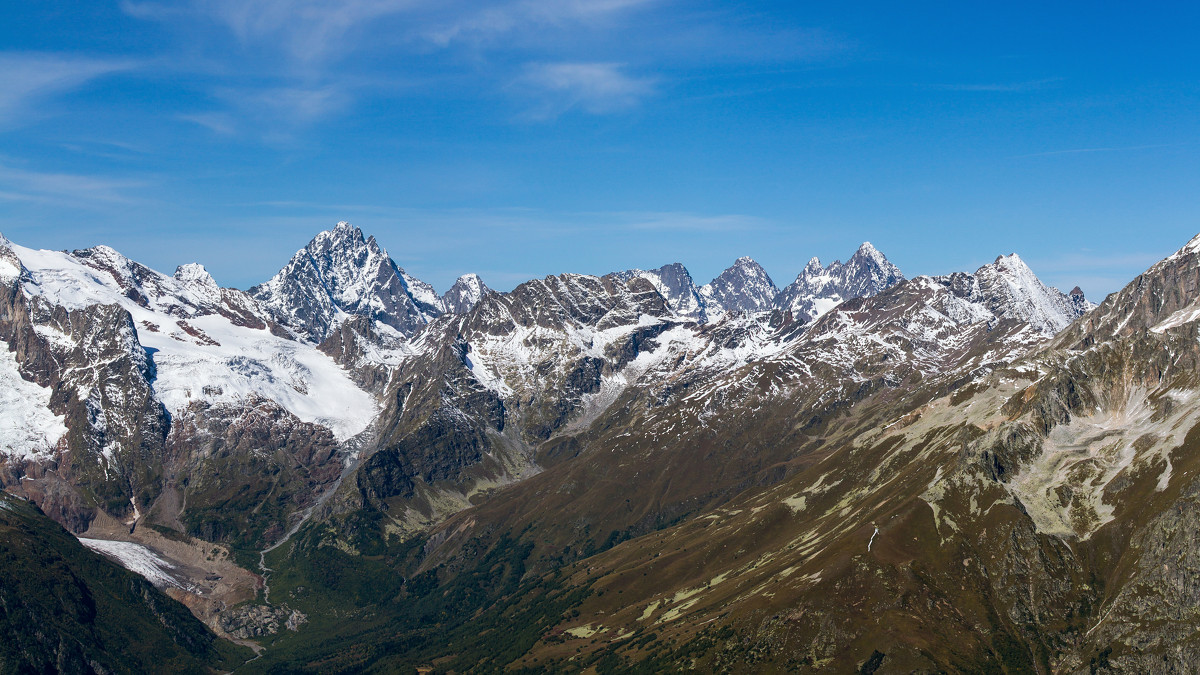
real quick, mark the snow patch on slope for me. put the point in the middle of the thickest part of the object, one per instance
(27, 426)
(138, 559)
(209, 357)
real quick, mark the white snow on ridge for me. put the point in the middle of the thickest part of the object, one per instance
(422, 293)
(209, 357)
(27, 426)
(1193, 246)
(8, 271)
(1028, 299)
(245, 362)
(136, 558)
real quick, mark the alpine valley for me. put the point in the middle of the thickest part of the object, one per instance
(340, 470)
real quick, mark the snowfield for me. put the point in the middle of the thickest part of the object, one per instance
(136, 558)
(27, 426)
(200, 355)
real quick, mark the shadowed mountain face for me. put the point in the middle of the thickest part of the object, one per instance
(969, 472)
(65, 609)
(675, 285)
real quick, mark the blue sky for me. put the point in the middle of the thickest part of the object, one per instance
(520, 138)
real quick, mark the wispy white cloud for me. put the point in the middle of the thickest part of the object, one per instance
(220, 123)
(30, 78)
(1078, 151)
(294, 105)
(77, 190)
(526, 219)
(489, 20)
(596, 88)
(999, 87)
(314, 30)
(274, 113)
(554, 56)
(307, 30)
(684, 221)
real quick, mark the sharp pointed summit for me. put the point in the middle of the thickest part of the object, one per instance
(744, 287)
(1009, 290)
(342, 272)
(674, 283)
(817, 289)
(467, 290)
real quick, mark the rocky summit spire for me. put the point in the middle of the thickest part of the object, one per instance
(744, 287)
(674, 283)
(1008, 290)
(818, 289)
(341, 271)
(466, 291)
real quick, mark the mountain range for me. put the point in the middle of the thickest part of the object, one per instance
(859, 472)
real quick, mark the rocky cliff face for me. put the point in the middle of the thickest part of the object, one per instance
(1027, 509)
(96, 378)
(746, 289)
(467, 412)
(66, 609)
(675, 285)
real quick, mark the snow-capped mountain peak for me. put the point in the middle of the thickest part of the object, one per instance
(199, 284)
(206, 343)
(867, 248)
(674, 283)
(341, 271)
(195, 273)
(817, 289)
(467, 290)
(744, 287)
(10, 265)
(1009, 289)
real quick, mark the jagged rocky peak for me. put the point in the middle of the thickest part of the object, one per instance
(195, 273)
(341, 271)
(744, 287)
(428, 302)
(199, 284)
(818, 289)
(674, 283)
(127, 273)
(146, 287)
(568, 301)
(1163, 297)
(1009, 290)
(466, 291)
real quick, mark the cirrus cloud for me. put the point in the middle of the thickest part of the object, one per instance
(29, 78)
(596, 88)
